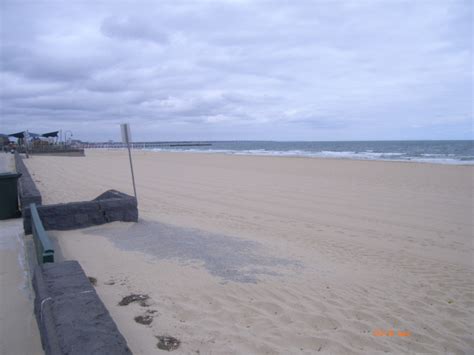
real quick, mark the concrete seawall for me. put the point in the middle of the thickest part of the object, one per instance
(71, 317)
(108, 207)
(27, 190)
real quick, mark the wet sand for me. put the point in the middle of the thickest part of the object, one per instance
(243, 254)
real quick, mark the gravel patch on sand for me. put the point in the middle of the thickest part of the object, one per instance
(230, 258)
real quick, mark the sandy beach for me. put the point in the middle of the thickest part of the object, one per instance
(249, 254)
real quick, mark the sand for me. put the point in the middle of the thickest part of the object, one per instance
(245, 254)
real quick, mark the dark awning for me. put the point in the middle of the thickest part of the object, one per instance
(22, 134)
(50, 134)
(18, 135)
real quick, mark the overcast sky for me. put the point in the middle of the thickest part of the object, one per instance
(218, 70)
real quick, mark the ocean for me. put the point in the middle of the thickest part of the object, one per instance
(441, 152)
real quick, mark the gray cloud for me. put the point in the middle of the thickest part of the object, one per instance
(238, 69)
(133, 29)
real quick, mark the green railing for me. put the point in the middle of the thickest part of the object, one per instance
(43, 246)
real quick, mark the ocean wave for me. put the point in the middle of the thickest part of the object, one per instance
(352, 155)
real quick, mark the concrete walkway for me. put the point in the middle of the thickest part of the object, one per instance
(18, 329)
(7, 163)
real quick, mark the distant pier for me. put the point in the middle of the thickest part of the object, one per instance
(142, 145)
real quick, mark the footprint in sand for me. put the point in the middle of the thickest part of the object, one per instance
(167, 343)
(147, 318)
(141, 299)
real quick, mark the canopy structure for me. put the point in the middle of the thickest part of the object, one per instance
(50, 134)
(33, 135)
(18, 135)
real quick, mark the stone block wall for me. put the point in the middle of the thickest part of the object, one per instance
(71, 317)
(111, 206)
(27, 190)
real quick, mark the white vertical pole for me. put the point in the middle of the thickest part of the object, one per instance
(131, 168)
(126, 138)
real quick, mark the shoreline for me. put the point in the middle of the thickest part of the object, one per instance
(236, 153)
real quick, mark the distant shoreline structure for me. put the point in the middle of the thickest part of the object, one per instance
(143, 145)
